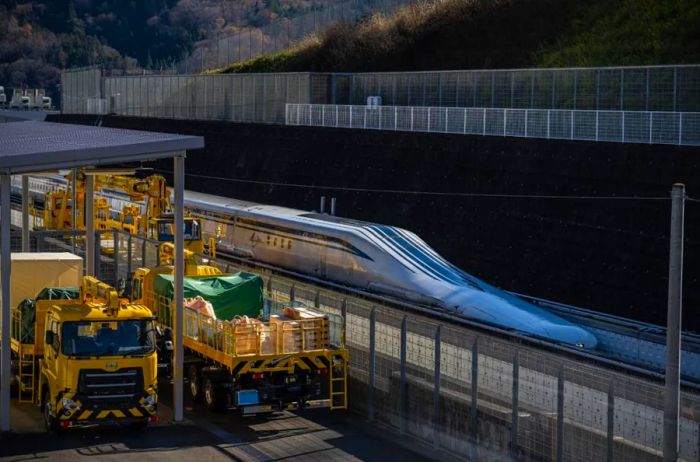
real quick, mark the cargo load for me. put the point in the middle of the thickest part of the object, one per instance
(27, 308)
(231, 295)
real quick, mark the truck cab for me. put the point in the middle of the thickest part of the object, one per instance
(162, 229)
(99, 361)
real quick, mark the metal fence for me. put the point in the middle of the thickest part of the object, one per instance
(280, 34)
(647, 88)
(79, 90)
(465, 392)
(617, 126)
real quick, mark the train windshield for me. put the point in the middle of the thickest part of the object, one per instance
(166, 230)
(108, 338)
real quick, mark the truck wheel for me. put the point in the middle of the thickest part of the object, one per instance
(214, 397)
(50, 422)
(195, 380)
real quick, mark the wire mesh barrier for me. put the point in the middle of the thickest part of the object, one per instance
(642, 88)
(682, 128)
(465, 392)
(280, 34)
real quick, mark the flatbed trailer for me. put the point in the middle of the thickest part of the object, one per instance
(255, 366)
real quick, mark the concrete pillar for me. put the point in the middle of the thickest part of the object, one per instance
(5, 269)
(178, 277)
(25, 213)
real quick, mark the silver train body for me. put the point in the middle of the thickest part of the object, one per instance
(377, 258)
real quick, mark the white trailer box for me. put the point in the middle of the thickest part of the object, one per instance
(32, 272)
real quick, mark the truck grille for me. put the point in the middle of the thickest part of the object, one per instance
(117, 386)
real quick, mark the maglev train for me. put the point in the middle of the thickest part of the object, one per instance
(373, 257)
(377, 258)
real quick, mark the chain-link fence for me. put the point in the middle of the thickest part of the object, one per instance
(617, 126)
(465, 392)
(280, 34)
(648, 88)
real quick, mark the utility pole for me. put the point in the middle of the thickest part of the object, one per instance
(673, 329)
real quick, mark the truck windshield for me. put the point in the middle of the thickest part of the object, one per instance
(108, 338)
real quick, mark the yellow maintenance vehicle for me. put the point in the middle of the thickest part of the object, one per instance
(155, 221)
(234, 357)
(86, 357)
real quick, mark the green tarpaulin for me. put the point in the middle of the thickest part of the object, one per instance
(231, 295)
(27, 308)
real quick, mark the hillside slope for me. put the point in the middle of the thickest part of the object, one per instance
(469, 34)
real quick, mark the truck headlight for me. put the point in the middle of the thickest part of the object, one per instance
(70, 404)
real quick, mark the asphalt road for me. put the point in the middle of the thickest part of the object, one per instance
(314, 435)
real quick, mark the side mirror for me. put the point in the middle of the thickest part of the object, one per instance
(49, 338)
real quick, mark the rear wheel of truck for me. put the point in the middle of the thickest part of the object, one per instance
(214, 397)
(195, 380)
(50, 422)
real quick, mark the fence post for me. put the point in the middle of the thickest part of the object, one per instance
(573, 114)
(483, 128)
(291, 293)
(597, 113)
(464, 130)
(651, 126)
(436, 389)
(515, 415)
(549, 121)
(429, 120)
(344, 314)
(317, 298)
(116, 259)
(623, 126)
(411, 118)
(336, 115)
(611, 419)
(372, 359)
(505, 116)
(560, 414)
(445, 120)
(143, 253)
(680, 128)
(473, 415)
(396, 117)
(351, 115)
(402, 387)
(526, 112)
(323, 115)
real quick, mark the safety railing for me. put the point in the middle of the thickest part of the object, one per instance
(653, 127)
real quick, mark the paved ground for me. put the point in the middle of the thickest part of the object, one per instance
(316, 435)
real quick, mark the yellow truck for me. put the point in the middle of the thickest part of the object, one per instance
(235, 358)
(86, 357)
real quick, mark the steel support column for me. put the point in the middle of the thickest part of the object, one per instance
(179, 211)
(673, 329)
(5, 269)
(90, 225)
(25, 213)
(74, 209)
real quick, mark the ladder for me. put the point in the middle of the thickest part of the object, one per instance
(339, 384)
(27, 374)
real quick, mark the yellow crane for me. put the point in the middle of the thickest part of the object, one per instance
(154, 222)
